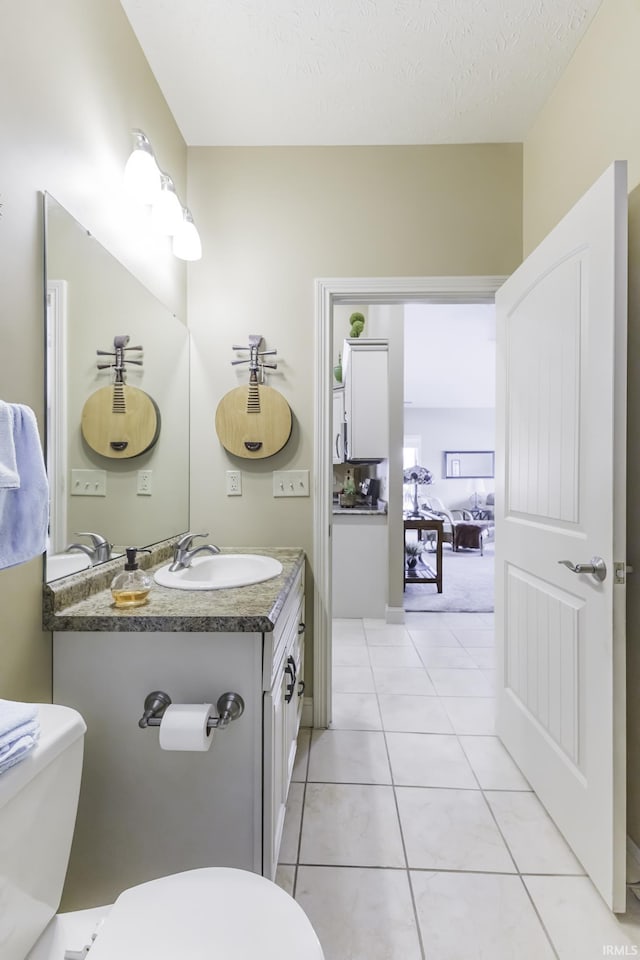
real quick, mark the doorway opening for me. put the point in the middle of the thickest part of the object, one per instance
(393, 293)
(449, 449)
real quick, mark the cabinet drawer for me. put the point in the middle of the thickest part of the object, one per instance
(276, 643)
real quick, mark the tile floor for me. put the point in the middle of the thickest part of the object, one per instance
(410, 833)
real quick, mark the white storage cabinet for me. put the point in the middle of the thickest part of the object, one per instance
(366, 399)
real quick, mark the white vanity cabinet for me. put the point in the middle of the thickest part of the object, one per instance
(282, 710)
(366, 399)
(145, 812)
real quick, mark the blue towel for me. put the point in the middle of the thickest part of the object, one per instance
(9, 479)
(24, 516)
(31, 729)
(19, 731)
(15, 714)
(16, 753)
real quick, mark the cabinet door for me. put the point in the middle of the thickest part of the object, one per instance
(275, 773)
(338, 425)
(366, 398)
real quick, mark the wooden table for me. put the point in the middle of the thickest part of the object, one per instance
(423, 572)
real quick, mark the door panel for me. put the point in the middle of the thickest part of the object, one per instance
(561, 411)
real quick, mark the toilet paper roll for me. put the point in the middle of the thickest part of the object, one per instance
(184, 727)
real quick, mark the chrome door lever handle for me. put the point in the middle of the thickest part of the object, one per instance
(597, 567)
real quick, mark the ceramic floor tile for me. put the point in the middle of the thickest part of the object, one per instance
(464, 621)
(403, 681)
(350, 825)
(350, 656)
(285, 877)
(484, 916)
(347, 633)
(381, 634)
(355, 711)
(360, 914)
(425, 637)
(483, 657)
(429, 760)
(534, 840)
(449, 658)
(348, 756)
(413, 714)
(487, 619)
(302, 754)
(352, 680)
(492, 679)
(459, 683)
(471, 715)
(579, 923)
(395, 657)
(450, 830)
(480, 637)
(492, 764)
(292, 820)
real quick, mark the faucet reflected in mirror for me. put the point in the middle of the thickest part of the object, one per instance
(92, 298)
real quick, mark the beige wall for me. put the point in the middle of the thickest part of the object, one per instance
(272, 220)
(590, 120)
(73, 82)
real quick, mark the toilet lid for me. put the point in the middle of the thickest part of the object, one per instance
(210, 914)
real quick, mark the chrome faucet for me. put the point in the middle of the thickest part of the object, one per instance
(183, 553)
(97, 553)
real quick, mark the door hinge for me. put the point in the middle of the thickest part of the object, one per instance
(620, 571)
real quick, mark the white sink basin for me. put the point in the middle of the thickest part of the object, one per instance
(208, 572)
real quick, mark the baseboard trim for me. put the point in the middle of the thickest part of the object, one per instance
(394, 614)
(306, 719)
(633, 861)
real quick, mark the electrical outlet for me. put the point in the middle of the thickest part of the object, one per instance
(234, 483)
(145, 483)
(291, 483)
(88, 483)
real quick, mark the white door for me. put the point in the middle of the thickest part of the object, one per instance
(561, 402)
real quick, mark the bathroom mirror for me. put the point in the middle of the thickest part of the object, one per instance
(91, 299)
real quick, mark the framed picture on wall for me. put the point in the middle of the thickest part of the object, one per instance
(468, 464)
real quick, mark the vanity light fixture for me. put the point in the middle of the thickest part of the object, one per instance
(147, 184)
(186, 240)
(141, 174)
(166, 212)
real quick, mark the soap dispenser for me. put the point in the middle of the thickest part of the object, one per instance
(131, 586)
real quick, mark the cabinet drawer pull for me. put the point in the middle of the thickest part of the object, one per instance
(300, 687)
(291, 671)
(301, 628)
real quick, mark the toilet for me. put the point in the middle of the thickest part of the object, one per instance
(198, 914)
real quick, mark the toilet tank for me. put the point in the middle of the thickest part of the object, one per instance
(38, 803)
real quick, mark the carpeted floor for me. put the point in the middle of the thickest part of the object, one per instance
(467, 584)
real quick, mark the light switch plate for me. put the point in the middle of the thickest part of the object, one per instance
(291, 483)
(88, 483)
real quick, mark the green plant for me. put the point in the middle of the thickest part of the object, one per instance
(349, 487)
(413, 549)
(357, 324)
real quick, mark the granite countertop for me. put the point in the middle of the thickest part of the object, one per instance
(83, 601)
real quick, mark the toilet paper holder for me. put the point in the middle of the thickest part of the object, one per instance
(230, 706)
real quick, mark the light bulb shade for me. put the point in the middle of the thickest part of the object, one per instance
(186, 242)
(141, 173)
(166, 214)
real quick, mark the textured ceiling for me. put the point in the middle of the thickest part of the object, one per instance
(285, 72)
